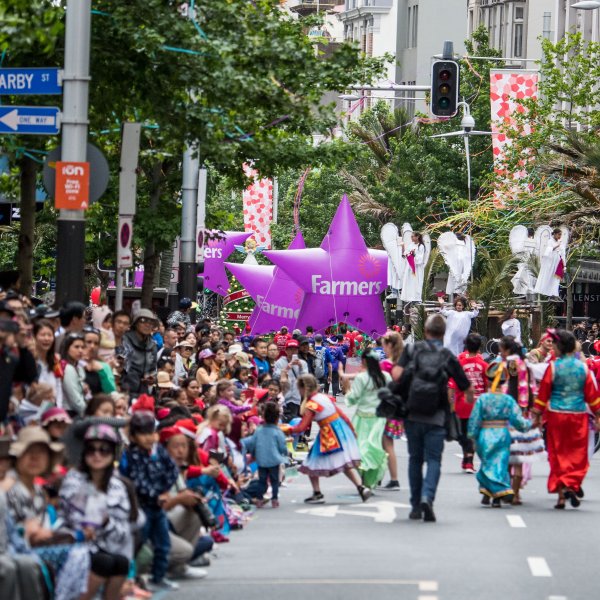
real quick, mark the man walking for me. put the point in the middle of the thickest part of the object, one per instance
(429, 366)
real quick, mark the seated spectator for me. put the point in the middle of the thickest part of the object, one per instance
(96, 507)
(208, 369)
(73, 377)
(101, 405)
(46, 358)
(55, 421)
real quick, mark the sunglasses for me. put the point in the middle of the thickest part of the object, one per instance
(90, 329)
(101, 449)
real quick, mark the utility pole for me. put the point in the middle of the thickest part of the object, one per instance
(188, 286)
(70, 261)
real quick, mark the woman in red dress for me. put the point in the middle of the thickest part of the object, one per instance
(564, 391)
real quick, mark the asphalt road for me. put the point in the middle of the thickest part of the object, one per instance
(349, 550)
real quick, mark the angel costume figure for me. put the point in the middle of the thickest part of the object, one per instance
(416, 254)
(458, 323)
(523, 245)
(250, 249)
(458, 251)
(552, 249)
(393, 244)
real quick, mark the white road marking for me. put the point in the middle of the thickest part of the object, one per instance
(385, 511)
(515, 521)
(428, 598)
(557, 598)
(539, 567)
(428, 586)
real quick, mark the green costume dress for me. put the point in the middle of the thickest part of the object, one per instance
(369, 428)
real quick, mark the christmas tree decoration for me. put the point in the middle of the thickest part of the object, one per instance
(237, 307)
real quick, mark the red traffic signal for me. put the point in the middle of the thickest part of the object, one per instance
(445, 84)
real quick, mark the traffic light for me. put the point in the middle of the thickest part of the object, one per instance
(445, 83)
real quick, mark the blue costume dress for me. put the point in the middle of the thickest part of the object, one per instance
(488, 426)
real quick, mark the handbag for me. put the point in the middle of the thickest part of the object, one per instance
(452, 426)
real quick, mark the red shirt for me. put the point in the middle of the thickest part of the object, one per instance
(474, 368)
(281, 339)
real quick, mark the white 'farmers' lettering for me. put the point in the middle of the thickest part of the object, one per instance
(213, 253)
(283, 312)
(15, 81)
(344, 288)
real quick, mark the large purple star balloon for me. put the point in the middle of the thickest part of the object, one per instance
(215, 252)
(343, 279)
(278, 298)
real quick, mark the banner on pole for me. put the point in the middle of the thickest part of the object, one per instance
(506, 88)
(258, 207)
(72, 187)
(124, 254)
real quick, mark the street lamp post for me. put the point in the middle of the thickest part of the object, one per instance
(70, 242)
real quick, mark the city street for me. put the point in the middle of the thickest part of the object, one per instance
(345, 549)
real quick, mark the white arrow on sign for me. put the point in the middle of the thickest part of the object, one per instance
(11, 119)
(385, 512)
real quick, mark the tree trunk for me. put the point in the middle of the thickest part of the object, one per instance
(151, 257)
(26, 233)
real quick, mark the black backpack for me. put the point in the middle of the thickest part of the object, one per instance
(428, 391)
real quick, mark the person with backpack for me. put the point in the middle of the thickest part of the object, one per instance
(425, 368)
(322, 363)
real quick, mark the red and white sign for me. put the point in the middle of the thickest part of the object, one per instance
(124, 254)
(237, 316)
(235, 296)
(72, 190)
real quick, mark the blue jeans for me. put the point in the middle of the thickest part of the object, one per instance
(265, 473)
(425, 444)
(156, 530)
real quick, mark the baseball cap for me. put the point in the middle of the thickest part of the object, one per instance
(185, 303)
(292, 344)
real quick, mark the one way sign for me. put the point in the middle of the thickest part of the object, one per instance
(33, 120)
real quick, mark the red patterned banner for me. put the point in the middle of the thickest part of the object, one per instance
(258, 207)
(237, 316)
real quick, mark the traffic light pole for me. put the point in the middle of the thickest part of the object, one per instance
(70, 243)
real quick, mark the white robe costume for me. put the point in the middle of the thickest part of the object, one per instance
(458, 325)
(412, 285)
(512, 327)
(524, 281)
(547, 282)
(457, 282)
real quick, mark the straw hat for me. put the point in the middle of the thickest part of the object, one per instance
(243, 360)
(163, 380)
(28, 436)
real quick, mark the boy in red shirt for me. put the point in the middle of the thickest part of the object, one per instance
(474, 367)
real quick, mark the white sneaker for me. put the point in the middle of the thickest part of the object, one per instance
(190, 572)
(164, 585)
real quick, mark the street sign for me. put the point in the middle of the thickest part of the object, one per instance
(124, 254)
(99, 172)
(32, 82)
(34, 120)
(72, 185)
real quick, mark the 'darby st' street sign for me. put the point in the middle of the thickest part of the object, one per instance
(32, 82)
(34, 120)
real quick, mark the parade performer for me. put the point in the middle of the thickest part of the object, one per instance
(552, 251)
(458, 251)
(565, 390)
(416, 255)
(488, 426)
(335, 449)
(368, 426)
(523, 246)
(510, 325)
(458, 323)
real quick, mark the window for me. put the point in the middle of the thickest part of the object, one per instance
(415, 26)
(547, 24)
(409, 45)
(518, 40)
(519, 11)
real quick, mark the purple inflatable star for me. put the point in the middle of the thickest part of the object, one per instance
(215, 252)
(278, 298)
(343, 279)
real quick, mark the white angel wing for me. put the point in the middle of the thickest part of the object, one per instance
(517, 238)
(469, 260)
(427, 242)
(390, 240)
(543, 235)
(240, 248)
(564, 240)
(407, 231)
(448, 247)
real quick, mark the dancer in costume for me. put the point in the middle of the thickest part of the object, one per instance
(488, 426)
(335, 449)
(416, 255)
(526, 447)
(523, 246)
(393, 345)
(458, 251)
(565, 390)
(368, 426)
(510, 325)
(553, 260)
(458, 323)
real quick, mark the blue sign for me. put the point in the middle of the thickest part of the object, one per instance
(35, 120)
(30, 81)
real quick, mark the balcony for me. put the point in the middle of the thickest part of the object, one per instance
(310, 7)
(356, 8)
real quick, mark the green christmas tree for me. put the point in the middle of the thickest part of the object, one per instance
(237, 306)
